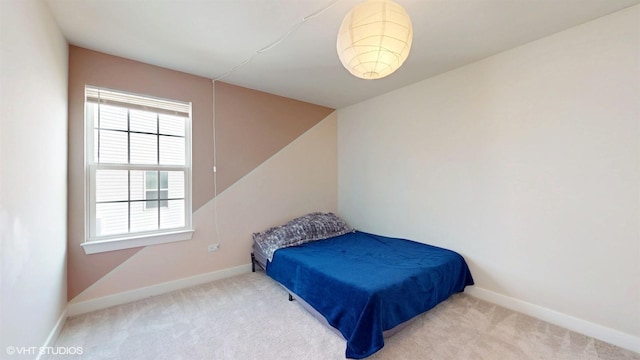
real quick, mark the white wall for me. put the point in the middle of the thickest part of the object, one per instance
(527, 163)
(33, 177)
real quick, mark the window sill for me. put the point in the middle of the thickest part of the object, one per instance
(128, 242)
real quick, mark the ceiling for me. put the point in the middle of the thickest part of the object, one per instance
(211, 37)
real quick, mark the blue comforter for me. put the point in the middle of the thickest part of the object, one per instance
(364, 284)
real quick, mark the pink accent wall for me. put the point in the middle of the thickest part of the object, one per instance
(251, 127)
(88, 67)
(300, 178)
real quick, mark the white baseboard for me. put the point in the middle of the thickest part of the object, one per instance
(82, 307)
(53, 335)
(599, 332)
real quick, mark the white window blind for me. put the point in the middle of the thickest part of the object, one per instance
(134, 101)
(138, 165)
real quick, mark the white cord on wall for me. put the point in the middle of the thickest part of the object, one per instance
(215, 163)
(215, 246)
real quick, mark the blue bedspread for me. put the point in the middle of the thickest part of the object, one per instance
(364, 284)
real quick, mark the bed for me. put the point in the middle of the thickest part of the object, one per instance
(364, 286)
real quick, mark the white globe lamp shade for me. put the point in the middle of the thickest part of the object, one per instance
(374, 39)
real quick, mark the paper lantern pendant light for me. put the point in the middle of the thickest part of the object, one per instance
(374, 39)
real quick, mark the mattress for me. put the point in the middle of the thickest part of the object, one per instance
(365, 285)
(259, 256)
(261, 259)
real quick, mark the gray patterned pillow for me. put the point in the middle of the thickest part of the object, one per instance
(311, 227)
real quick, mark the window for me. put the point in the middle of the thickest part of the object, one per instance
(138, 164)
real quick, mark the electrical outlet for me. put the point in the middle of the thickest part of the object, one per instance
(213, 247)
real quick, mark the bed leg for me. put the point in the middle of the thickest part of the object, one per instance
(253, 263)
(290, 297)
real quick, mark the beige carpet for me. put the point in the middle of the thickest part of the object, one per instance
(249, 317)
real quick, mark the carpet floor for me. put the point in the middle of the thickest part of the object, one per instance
(249, 317)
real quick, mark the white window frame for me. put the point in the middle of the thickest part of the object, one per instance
(97, 244)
